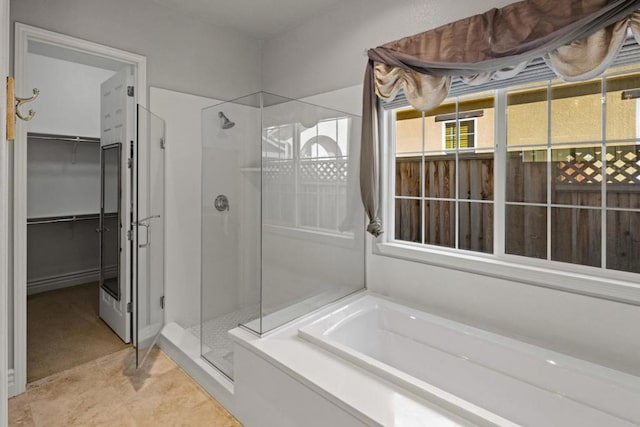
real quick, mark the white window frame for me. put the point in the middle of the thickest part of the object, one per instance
(585, 280)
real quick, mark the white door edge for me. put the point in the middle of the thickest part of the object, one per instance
(117, 126)
(4, 215)
(23, 35)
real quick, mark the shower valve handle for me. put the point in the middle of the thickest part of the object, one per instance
(221, 203)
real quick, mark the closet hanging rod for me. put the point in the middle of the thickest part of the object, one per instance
(65, 138)
(67, 218)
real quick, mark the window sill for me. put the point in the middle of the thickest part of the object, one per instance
(615, 286)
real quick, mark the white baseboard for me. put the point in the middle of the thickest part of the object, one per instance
(35, 286)
(12, 383)
(44, 284)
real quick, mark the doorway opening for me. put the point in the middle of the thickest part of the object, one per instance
(77, 179)
(74, 211)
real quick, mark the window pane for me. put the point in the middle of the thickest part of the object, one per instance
(278, 192)
(576, 236)
(527, 176)
(440, 176)
(465, 130)
(476, 176)
(476, 121)
(622, 122)
(408, 131)
(408, 176)
(343, 135)
(526, 231)
(623, 176)
(476, 226)
(623, 240)
(408, 225)
(440, 223)
(308, 205)
(527, 116)
(467, 133)
(577, 176)
(576, 111)
(450, 135)
(281, 142)
(328, 205)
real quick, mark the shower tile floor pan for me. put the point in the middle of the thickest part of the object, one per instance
(217, 347)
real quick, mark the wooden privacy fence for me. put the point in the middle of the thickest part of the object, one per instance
(475, 185)
(576, 183)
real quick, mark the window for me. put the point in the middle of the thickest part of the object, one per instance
(304, 181)
(465, 129)
(566, 154)
(445, 198)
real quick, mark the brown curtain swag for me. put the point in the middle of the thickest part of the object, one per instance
(578, 39)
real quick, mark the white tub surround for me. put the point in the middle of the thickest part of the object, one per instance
(473, 372)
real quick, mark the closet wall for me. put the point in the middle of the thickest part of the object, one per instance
(63, 177)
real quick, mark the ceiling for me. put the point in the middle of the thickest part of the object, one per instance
(260, 19)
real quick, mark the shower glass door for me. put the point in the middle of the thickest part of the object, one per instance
(149, 183)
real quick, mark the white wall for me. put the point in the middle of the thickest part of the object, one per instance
(61, 182)
(326, 54)
(183, 116)
(230, 274)
(183, 53)
(69, 100)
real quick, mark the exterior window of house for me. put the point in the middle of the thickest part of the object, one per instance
(304, 181)
(569, 170)
(464, 129)
(445, 198)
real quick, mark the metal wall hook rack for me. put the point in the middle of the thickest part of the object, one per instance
(20, 101)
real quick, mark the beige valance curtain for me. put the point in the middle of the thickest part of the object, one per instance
(578, 40)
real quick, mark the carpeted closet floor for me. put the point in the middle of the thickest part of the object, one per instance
(64, 331)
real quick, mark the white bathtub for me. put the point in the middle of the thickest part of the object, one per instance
(486, 378)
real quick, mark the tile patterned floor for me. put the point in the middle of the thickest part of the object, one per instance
(111, 392)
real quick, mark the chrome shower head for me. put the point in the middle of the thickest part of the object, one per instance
(225, 123)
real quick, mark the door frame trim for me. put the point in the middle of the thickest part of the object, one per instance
(4, 215)
(23, 35)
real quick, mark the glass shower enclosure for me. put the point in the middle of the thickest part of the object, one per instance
(282, 222)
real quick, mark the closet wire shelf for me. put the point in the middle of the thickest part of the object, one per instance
(64, 138)
(68, 218)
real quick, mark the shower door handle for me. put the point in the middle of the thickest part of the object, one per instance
(148, 241)
(145, 222)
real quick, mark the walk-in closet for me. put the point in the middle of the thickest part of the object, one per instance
(74, 232)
